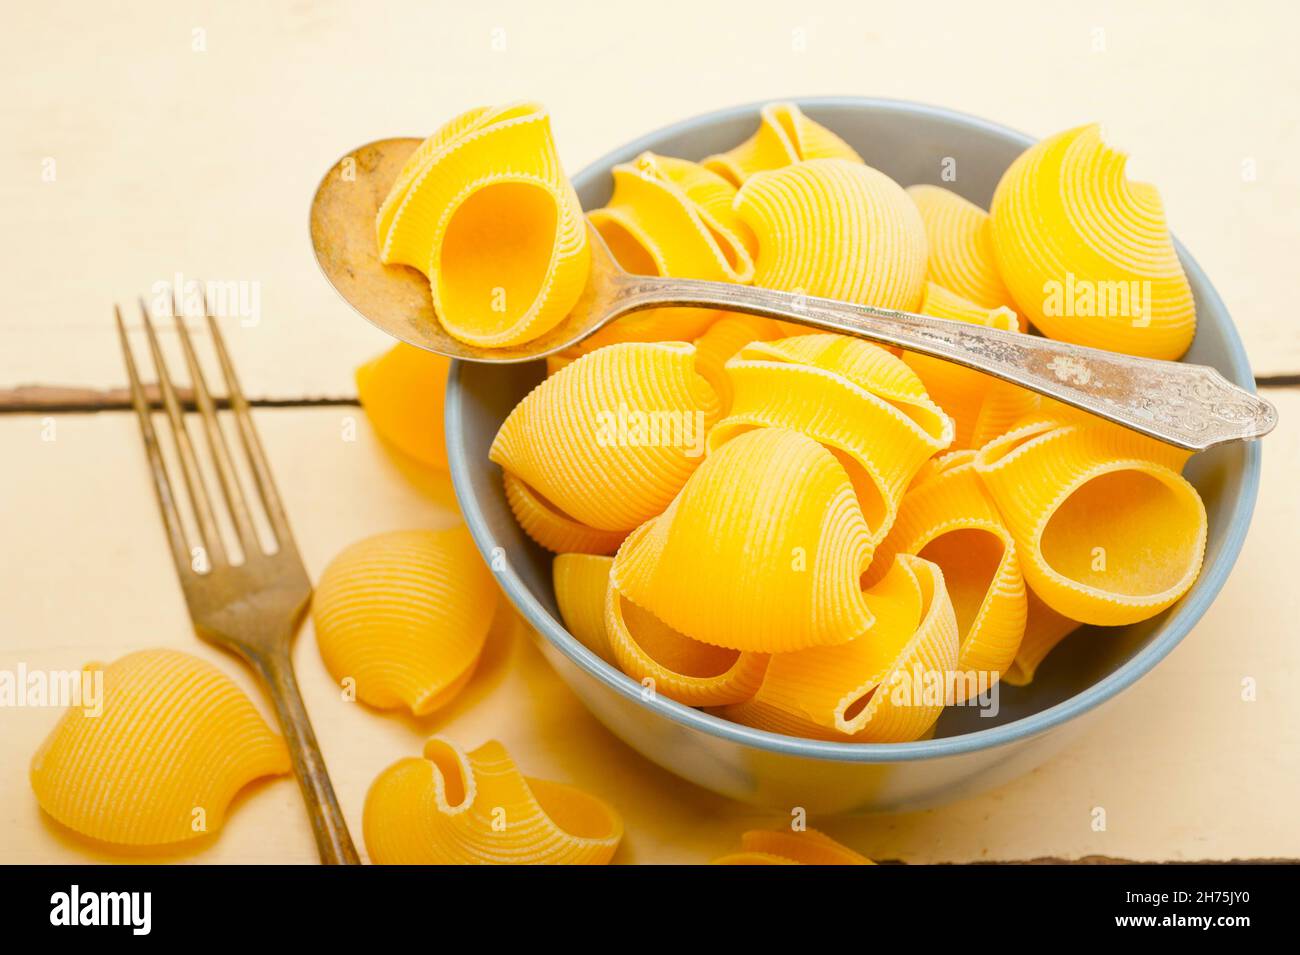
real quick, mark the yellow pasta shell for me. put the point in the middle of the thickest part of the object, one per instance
(836, 229)
(175, 741)
(671, 663)
(405, 615)
(723, 339)
(949, 518)
(484, 210)
(981, 406)
(1086, 253)
(856, 399)
(402, 392)
(888, 685)
(456, 808)
(581, 585)
(610, 439)
(762, 550)
(1106, 529)
(785, 136)
(960, 239)
(551, 528)
(806, 847)
(1044, 629)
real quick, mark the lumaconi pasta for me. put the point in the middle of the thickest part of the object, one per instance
(949, 518)
(762, 550)
(981, 406)
(456, 808)
(798, 537)
(1086, 253)
(402, 393)
(859, 401)
(807, 847)
(1107, 531)
(886, 685)
(176, 740)
(623, 428)
(581, 587)
(785, 136)
(405, 615)
(959, 235)
(483, 209)
(837, 229)
(1044, 629)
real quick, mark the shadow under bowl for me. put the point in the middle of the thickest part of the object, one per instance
(971, 750)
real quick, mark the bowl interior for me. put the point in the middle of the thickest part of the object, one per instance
(913, 144)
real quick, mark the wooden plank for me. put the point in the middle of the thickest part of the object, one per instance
(190, 141)
(1185, 768)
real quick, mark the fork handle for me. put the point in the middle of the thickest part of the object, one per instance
(1190, 406)
(327, 822)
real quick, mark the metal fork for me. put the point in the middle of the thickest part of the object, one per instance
(252, 608)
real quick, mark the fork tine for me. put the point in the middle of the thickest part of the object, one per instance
(230, 486)
(161, 483)
(208, 533)
(252, 445)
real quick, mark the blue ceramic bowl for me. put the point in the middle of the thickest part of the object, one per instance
(969, 752)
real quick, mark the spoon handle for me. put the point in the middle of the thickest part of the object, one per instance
(1190, 406)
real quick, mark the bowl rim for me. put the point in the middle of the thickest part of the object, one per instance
(1184, 615)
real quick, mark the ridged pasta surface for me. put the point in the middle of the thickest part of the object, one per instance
(405, 615)
(854, 398)
(959, 235)
(949, 518)
(484, 210)
(581, 586)
(450, 807)
(785, 136)
(1106, 529)
(805, 847)
(175, 741)
(1044, 630)
(762, 550)
(1086, 253)
(836, 229)
(887, 685)
(610, 439)
(402, 392)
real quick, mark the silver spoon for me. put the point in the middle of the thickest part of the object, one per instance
(1190, 406)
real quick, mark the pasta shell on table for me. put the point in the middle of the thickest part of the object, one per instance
(806, 847)
(887, 685)
(949, 518)
(485, 211)
(1106, 529)
(405, 615)
(836, 229)
(960, 239)
(762, 550)
(174, 741)
(669, 662)
(1086, 253)
(450, 807)
(785, 136)
(581, 585)
(854, 398)
(981, 406)
(1044, 630)
(607, 441)
(402, 392)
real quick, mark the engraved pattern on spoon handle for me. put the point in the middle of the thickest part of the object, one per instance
(1191, 406)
